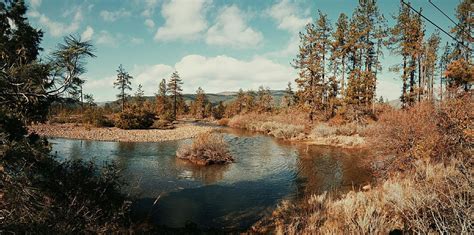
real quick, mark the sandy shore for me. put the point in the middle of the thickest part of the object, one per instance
(75, 131)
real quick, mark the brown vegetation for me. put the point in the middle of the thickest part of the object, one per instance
(206, 149)
(434, 198)
(427, 184)
(426, 132)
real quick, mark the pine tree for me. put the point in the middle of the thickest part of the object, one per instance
(198, 108)
(289, 99)
(249, 101)
(311, 62)
(162, 104)
(139, 94)
(264, 100)
(340, 49)
(219, 111)
(463, 31)
(174, 88)
(122, 83)
(406, 40)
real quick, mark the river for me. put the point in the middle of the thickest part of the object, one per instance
(230, 197)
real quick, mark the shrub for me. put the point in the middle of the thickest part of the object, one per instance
(435, 198)
(135, 117)
(41, 195)
(425, 132)
(267, 125)
(162, 124)
(323, 130)
(95, 117)
(206, 149)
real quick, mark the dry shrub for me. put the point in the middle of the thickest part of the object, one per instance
(278, 126)
(436, 198)
(223, 122)
(425, 132)
(323, 130)
(206, 149)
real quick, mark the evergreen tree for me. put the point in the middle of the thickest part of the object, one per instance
(139, 94)
(174, 88)
(340, 49)
(89, 98)
(198, 108)
(162, 104)
(249, 101)
(406, 40)
(289, 99)
(122, 83)
(366, 36)
(219, 111)
(265, 100)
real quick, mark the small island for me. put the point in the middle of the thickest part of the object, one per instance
(206, 149)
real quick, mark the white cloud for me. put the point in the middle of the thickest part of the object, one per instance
(112, 16)
(288, 16)
(150, 76)
(231, 29)
(35, 3)
(96, 88)
(292, 19)
(183, 20)
(222, 73)
(87, 34)
(214, 74)
(136, 41)
(108, 39)
(150, 23)
(58, 29)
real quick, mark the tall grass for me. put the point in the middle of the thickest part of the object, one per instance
(282, 125)
(435, 198)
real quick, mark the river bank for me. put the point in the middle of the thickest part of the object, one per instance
(78, 131)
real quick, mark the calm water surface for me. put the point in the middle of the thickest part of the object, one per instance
(234, 196)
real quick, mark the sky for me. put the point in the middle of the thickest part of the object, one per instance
(219, 45)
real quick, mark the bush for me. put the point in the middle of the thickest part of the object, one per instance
(95, 117)
(162, 124)
(40, 195)
(135, 117)
(425, 132)
(206, 149)
(435, 198)
(268, 125)
(323, 130)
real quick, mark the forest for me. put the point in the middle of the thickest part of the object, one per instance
(420, 152)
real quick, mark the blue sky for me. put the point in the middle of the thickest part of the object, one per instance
(220, 45)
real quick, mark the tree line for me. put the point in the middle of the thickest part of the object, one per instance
(338, 66)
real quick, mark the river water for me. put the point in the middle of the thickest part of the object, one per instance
(230, 197)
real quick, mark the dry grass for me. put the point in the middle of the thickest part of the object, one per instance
(281, 125)
(436, 198)
(426, 132)
(206, 149)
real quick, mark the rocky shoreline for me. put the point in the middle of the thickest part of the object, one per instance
(78, 131)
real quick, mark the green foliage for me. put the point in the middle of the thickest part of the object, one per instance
(123, 83)
(175, 89)
(135, 117)
(95, 116)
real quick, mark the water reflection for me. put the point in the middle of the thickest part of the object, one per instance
(232, 196)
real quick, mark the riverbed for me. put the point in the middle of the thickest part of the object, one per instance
(175, 193)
